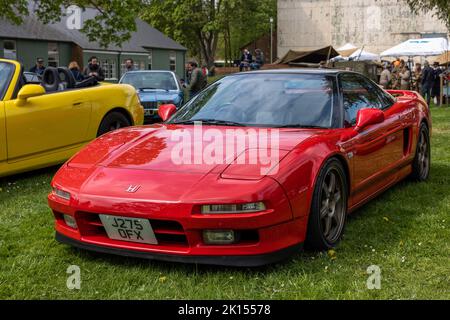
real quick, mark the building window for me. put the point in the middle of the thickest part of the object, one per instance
(9, 47)
(110, 69)
(53, 54)
(150, 59)
(172, 61)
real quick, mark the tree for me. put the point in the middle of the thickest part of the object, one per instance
(199, 24)
(440, 7)
(243, 22)
(194, 23)
(250, 20)
(113, 24)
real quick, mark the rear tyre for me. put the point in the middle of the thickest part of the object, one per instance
(328, 209)
(113, 121)
(422, 160)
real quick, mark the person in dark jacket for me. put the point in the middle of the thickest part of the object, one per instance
(75, 69)
(94, 70)
(197, 79)
(129, 65)
(39, 68)
(259, 60)
(436, 89)
(246, 60)
(427, 81)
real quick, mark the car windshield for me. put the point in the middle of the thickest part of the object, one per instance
(150, 80)
(264, 99)
(6, 71)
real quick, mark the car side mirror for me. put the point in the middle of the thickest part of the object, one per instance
(29, 91)
(165, 111)
(367, 117)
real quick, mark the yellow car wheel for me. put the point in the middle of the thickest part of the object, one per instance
(113, 121)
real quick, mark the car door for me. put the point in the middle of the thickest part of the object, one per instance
(376, 148)
(2, 132)
(46, 123)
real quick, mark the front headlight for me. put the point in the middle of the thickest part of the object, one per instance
(61, 194)
(233, 208)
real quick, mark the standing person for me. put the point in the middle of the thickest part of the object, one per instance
(246, 60)
(405, 78)
(396, 75)
(205, 71)
(188, 74)
(418, 77)
(75, 69)
(94, 70)
(436, 89)
(39, 67)
(259, 60)
(197, 80)
(129, 65)
(385, 77)
(427, 82)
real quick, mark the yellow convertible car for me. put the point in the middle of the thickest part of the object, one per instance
(43, 123)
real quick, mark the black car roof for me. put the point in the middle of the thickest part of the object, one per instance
(297, 71)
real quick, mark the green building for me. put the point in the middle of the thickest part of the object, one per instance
(58, 46)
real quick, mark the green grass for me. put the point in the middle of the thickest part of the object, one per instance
(406, 232)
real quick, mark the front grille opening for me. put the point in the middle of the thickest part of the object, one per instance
(171, 239)
(247, 236)
(89, 224)
(167, 232)
(149, 105)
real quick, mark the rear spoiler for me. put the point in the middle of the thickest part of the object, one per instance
(407, 95)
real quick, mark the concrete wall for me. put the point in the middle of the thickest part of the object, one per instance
(376, 24)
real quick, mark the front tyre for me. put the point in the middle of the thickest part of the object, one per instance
(328, 209)
(422, 160)
(113, 121)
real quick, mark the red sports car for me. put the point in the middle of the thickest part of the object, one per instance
(247, 172)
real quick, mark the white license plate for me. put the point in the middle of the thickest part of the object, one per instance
(128, 229)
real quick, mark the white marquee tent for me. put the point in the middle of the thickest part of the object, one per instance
(347, 46)
(418, 47)
(358, 55)
(362, 55)
(347, 50)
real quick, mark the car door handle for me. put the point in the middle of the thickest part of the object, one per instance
(77, 104)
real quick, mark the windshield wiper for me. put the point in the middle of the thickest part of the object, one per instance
(301, 126)
(211, 121)
(149, 88)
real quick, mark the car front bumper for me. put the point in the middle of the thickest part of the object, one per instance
(231, 260)
(264, 238)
